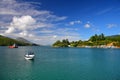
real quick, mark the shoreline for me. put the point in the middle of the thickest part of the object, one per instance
(102, 46)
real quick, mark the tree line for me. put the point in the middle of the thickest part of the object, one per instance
(95, 40)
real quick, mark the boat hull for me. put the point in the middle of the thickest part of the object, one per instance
(13, 47)
(29, 57)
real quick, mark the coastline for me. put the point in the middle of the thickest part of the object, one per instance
(88, 46)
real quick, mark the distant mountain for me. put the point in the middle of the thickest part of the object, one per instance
(113, 36)
(6, 41)
(26, 41)
(23, 40)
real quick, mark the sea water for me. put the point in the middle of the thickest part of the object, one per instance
(60, 64)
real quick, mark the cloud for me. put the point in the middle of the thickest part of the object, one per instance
(104, 11)
(7, 7)
(8, 12)
(10, 30)
(49, 39)
(22, 23)
(74, 22)
(87, 25)
(26, 34)
(46, 31)
(12, 8)
(111, 25)
(22, 19)
(53, 34)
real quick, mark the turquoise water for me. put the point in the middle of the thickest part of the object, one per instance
(60, 64)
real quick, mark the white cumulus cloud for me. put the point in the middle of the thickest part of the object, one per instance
(22, 23)
(10, 30)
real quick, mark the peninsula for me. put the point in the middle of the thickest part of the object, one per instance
(95, 41)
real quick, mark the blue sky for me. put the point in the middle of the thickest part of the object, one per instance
(45, 21)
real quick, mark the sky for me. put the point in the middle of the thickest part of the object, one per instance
(46, 21)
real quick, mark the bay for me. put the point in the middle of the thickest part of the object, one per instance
(60, 64)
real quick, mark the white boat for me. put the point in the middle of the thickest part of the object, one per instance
(30, 56)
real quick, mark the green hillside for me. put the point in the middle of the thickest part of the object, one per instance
(5, 41)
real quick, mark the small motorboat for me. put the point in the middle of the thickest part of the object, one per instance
(13, 46)
(29, 56)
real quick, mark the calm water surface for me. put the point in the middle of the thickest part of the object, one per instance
(60, 64)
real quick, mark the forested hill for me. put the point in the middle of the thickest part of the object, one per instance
(5, 41)
(114, 37)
